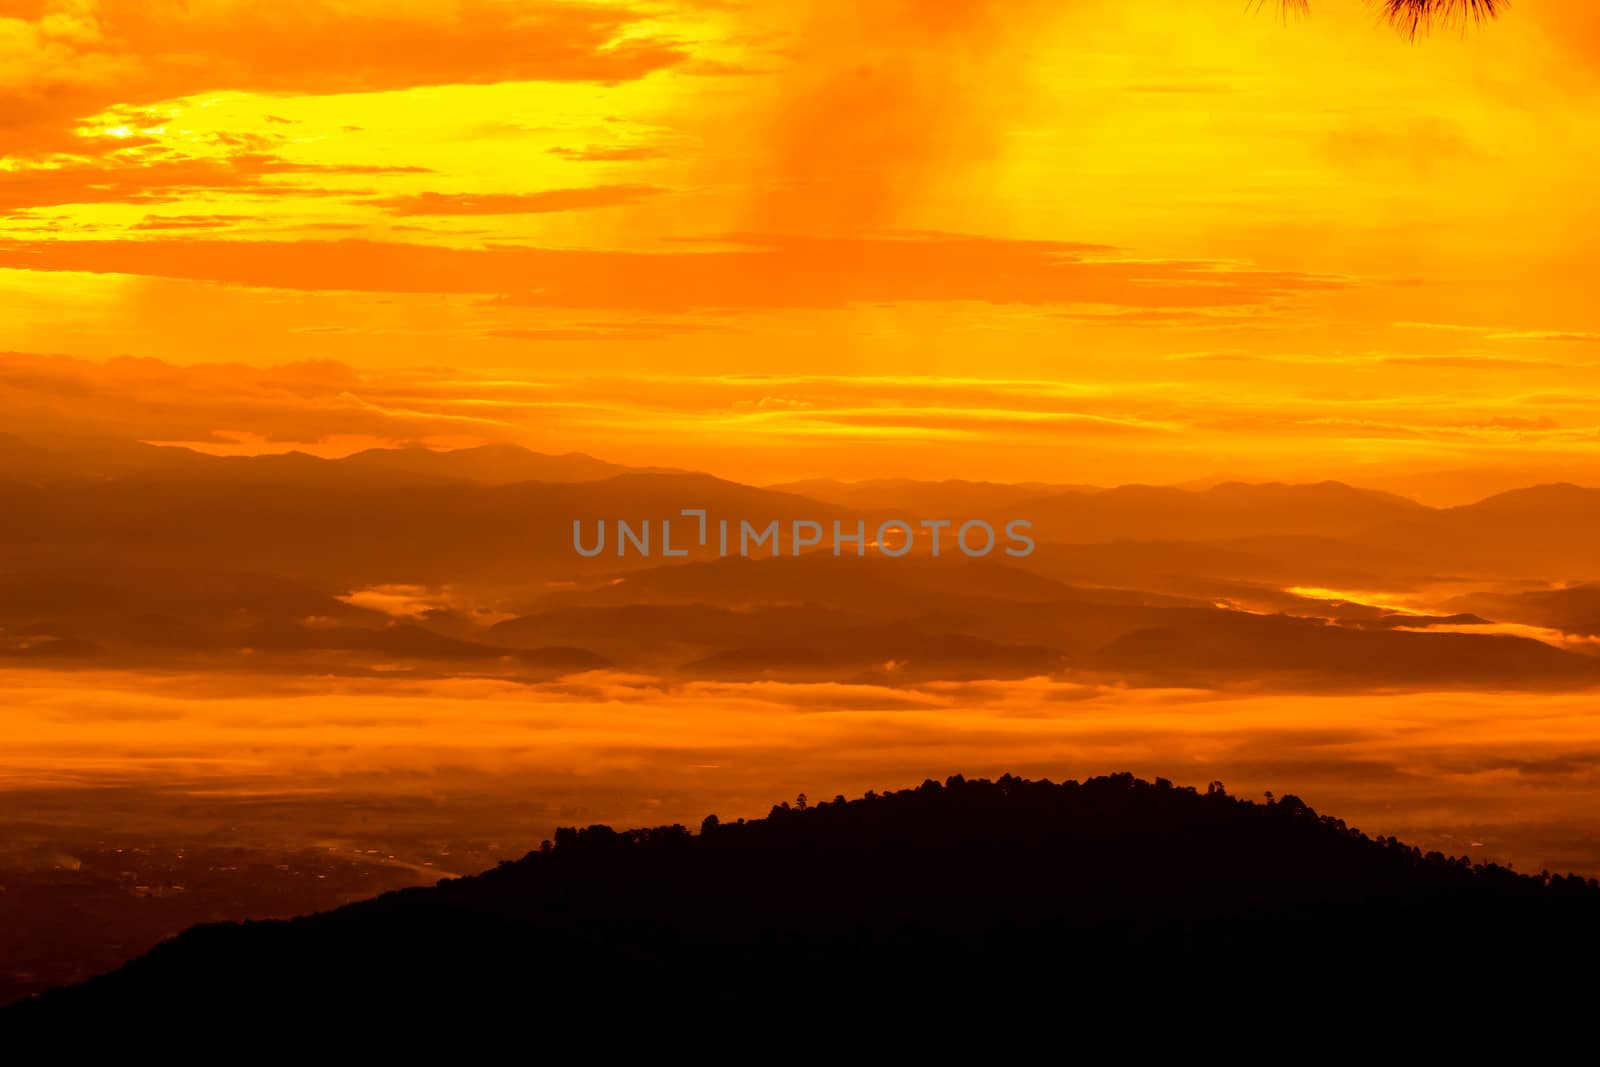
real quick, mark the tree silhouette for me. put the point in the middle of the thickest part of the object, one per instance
(1416, 16)
(1113, 898)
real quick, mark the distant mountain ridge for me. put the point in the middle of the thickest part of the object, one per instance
(483, 465)
(1229, 510)
(165, 556)
(499, 464)
(1548, 530)
(927, 498)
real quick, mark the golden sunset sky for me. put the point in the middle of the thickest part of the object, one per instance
(1080, 241)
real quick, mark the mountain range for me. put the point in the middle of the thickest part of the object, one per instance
(445, 562)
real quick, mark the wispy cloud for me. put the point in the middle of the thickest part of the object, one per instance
(760, 271)
(517, 203)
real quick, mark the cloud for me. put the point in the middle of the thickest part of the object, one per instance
(151, 400)
(1419, 144)
(1157, 319)
(1473, 361)
(1149, 426)
(873, 104)
(608, 153)
(1230, 355)
(1439, 769)
(307, 404)
(599, 331)
(1504, 333)
(124, 179)
(756, 272)
(62, 60)
(517, 203)
(1515, 422)
(1582, 338)
(190, 222)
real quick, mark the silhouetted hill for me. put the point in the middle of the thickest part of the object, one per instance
(870, 584)
(128, 554)
(1535, 503)
(1137, 896)
(926, 499)
(916, 619)
(1546, 531)
(665, 636)
(355, 533)
(1571, 609)
(484, 465)
(69, 458)
(1207, 647)
(1230, 510)
(1190, 567)
(808, 618)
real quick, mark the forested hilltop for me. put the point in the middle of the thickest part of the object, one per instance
(1014, 889)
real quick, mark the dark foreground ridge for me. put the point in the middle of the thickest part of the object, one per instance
(1004, 892)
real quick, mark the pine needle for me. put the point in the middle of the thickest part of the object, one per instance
(1414, 17)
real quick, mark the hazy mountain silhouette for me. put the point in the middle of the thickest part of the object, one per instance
(925, 499)
(882, 652)
(1570, 609)
(355, 534)
(664, 636)
(917, 618)
(876, 584)
(67, 458)
(1141, 896)
(485, 465)
(1467, 485)
(135, 554)
(407, 640)
(129, 614)
(76, 591)
(1230, 510)
(1194, 568)
(1544, 531)
(1216, 647)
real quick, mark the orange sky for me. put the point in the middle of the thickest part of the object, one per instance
(1084, 241)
